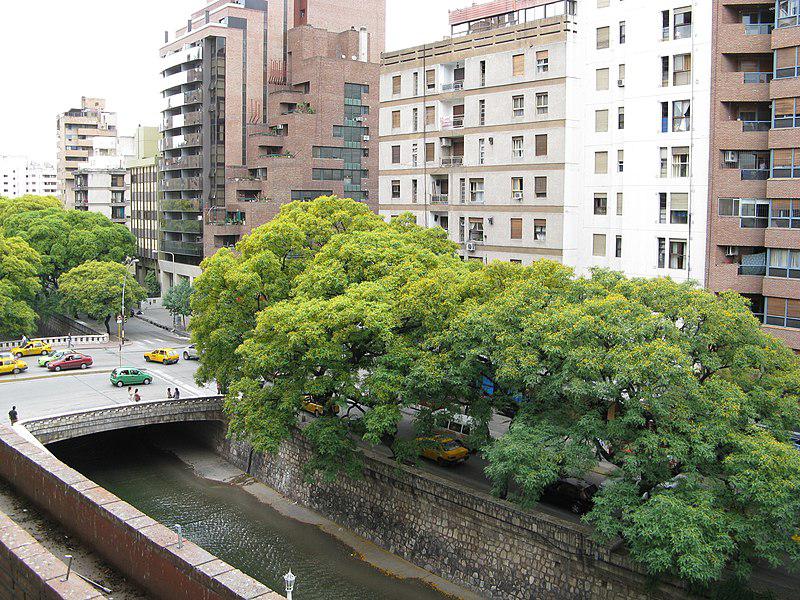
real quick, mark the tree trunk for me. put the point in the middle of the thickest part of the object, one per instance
(108, 329)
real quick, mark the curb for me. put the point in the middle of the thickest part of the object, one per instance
(174, 332)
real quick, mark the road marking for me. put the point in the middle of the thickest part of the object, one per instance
(61, 374)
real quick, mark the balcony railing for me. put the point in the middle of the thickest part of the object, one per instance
(453, 86)
(182, 225)
(756, 125)
(439, 198)
(452, 122)
(758, 28)
(755, 174)
(452, 161)
(180, 205)
(180, 184)
(756, 77)
(180, 162)
(185, 248)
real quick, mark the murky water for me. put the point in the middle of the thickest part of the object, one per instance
(232, 524)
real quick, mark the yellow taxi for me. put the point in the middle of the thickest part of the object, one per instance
(315, 408)
(32, 348)
(165, 356)
(12, 365)
(443, 449)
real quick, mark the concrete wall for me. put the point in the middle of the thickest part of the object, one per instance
(138, 546)
(465, 536)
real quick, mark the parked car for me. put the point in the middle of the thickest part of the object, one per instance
(125, 376)
(70, 360)
(443, 449)
(12, 365)
(32, 348)
(166, 356)
(315, 408)
(455, 425)
(573, 494)
(45, 359)
(794, 437)
(190, 353)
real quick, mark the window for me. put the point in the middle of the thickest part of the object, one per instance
(620, 161)
(462, 224)
(517, 150)
(540, 186)
(481, 151)
(517, 188)
(679, 208)
(680, 161)
(681, 115)
(677, 254)
(462, 189)
(600, 204)
(518, 106)
(622, 32)
(619, 204)
(621, 117)
(664, 117)
(664, 71)
(430, 115)
(682, 69)
(601, 79)
(602, 37)
(542, 103)
(414, 154)
(662, 253)
(430, 152)
(601, 120)
(682, 23)
(621, 75)
(783, 312)
(430, 79)
(395, 119)
(481, 112)
(475, 229)
(395, 189)
(788, 13)
(618, 247)
(476, 190)
(415, 91)
(783, 213)
(518, 65)
(396, 85)
(753, 213)
(783, 263)
(482, 68)
(542, 61)
(516, 228)
(786, 112)
(728, 207)
(786, 63)
(786, 163)
(414, 189)
(415, 119)
(395, 155)
(599, 244)
(541, 144)
(662, 207)
(600, 163)
(540, 230)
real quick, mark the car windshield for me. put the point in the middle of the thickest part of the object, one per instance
(451, 445)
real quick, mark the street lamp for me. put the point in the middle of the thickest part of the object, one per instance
(289, 579)
(173, 264)
(121, 320)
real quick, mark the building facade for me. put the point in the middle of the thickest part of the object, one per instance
(142, 175)
(571, 130)
(20, 176)
(83, 133)
(754, 211)
(263, 103)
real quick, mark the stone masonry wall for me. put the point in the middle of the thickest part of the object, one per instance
(488, 545)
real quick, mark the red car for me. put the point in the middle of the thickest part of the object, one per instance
(73, 360)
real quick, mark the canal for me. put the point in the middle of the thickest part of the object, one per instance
(231, 523)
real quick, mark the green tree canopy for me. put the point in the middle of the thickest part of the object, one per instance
(26, 203)
(152, 284)
(177, 300)
(20, 267)
(95, 288)
(67, 238)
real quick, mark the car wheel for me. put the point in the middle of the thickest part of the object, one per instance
(120, 384)
(146, 359)
(16, 371)
(45, 352)
(84, 366)
(146, 381)
(185, 356)
(18, 355)
(57, 369)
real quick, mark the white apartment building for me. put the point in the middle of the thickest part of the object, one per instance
(103, 186)
(537, 132)
(20, 176)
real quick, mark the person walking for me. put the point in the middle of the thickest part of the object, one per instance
(136, 396)
(130, 394)
(12, 415)
(176, 395)
(169, 393)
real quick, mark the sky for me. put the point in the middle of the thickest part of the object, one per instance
(109, 49)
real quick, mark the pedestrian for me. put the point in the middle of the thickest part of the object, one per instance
(69, 340)
(136, 396)
(169, 393)
(12, 415)
(25, 339)
(176, 395)
(130, 394)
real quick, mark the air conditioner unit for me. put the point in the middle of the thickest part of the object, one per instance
(730, 156)
(279, 127)
(470, 246)
(620, 83)
(731, 251)
(366, 138)
(518, 196)
(359, 119)
(447, 142)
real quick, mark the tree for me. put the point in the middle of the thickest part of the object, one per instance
(20, 266)
(152, 285)
(67, 238)
(177, 300)
(95, 288)
(680, 390)
(26, 203)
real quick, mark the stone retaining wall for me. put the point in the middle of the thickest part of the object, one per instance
(29, 572)
(138, 546)
(488, 545)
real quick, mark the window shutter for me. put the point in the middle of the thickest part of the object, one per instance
(430, 78)
(429, 152)
(541, 145)
(395, 154)
(518, 61)
(602, 37)
(395, 119)
(599, 244)
(430, 115)
(540, 186)
(601, 162)
(601, 79)
(601, 120)
(516, 229)
(396, 84)
(680, 201)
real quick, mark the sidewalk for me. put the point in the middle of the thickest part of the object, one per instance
(160, 317)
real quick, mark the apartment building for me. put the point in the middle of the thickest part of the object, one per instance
(263, 103)
(572, 130)
(101, 185)
(20, 176)
(754, 211)
(476, 131)
(83, 132)
(142, 176)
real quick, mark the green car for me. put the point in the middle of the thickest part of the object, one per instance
(45, 360)
(130, 376)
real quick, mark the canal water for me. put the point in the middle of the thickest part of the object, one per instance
(231, 523)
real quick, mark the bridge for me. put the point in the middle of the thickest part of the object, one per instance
(65, 426)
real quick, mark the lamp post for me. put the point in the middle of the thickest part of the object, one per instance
(173, 265)
(289, 579)
(121, 321)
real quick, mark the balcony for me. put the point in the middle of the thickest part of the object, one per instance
(181, 56)
(449, 123)
(181, 162)
(755, 174)
(453, 86)
(744, 135)
(185, 248)
(182, 225)
(180, 205)
(737, 86)
(451, 161)
(439, 198)
(178, 100)
(181, 141)
(179, 184)
(182, 78)
(738, 38)
(727, 277)
(184, 120)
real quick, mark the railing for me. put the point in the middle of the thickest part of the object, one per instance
(75, 340)
(756, 270)
(439, 198)
(179, 247)
(454, 86)
(756, 125)
(182, 225)
(758, 28)
(180, 205)
(756, 77)
(452, 122)
(452, 161)
(755, 174)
